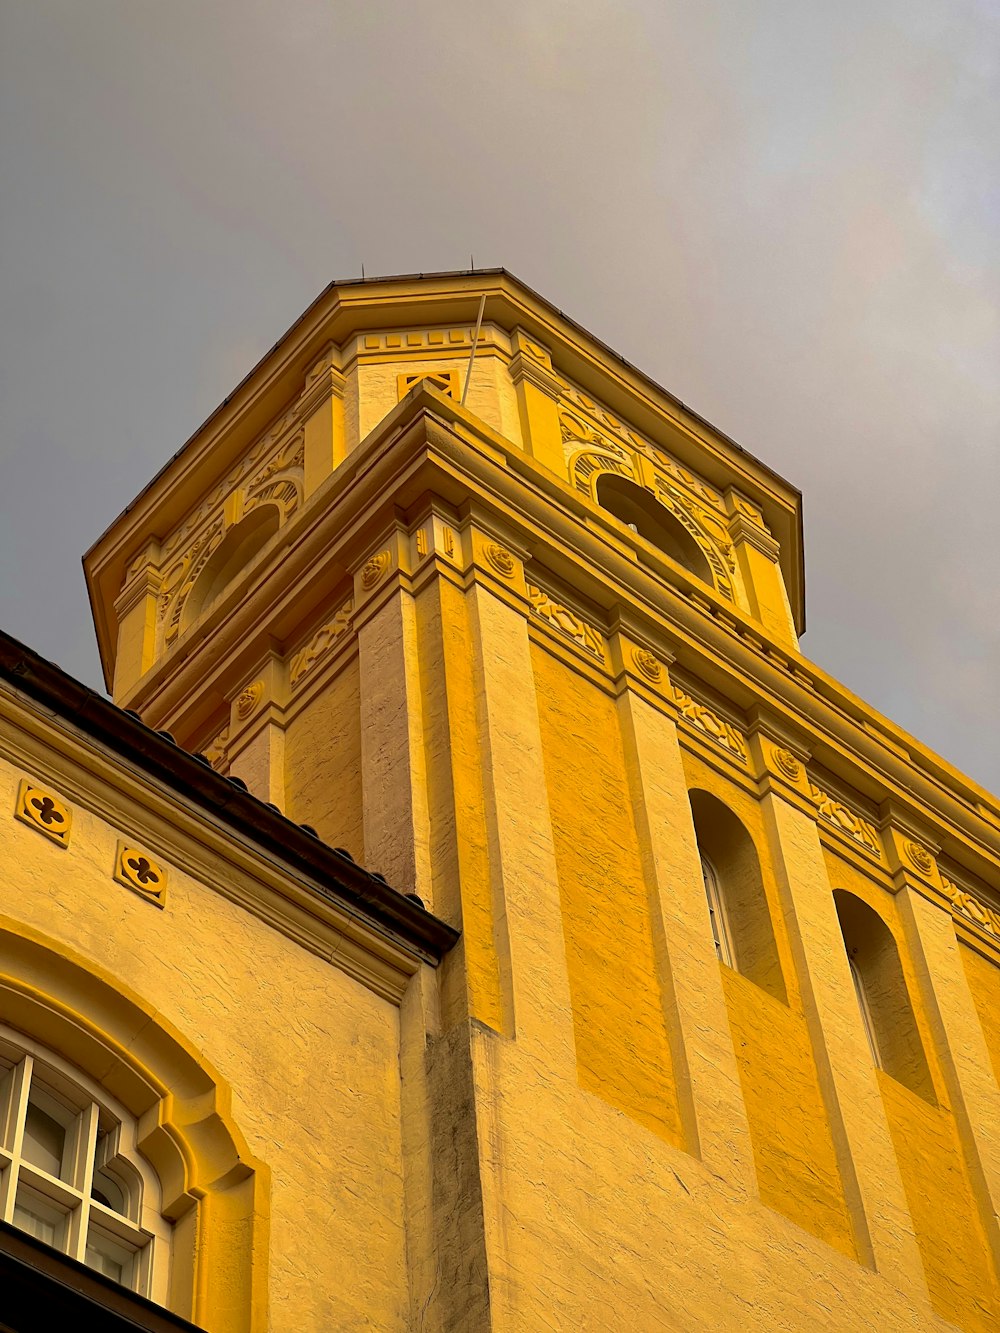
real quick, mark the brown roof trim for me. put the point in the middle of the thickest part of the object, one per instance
(335, 875)
(43, 1289)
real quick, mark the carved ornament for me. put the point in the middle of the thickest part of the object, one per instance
(500, 558)
(647, 664)
(140, 873)
(43, 810)
(918, 856)
(566, 621)
(215, 750)
(374, 568)
(248, 698)
(321, 642)
(787, 763)
(843, 818)
(714, 726)
(271, 472)
(969, 905)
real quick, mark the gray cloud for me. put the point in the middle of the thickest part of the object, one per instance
(785, 213)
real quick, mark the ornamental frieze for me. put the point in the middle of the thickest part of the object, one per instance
(560, 617)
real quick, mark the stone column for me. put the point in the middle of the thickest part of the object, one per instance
(872, 1183)
(707, 1077)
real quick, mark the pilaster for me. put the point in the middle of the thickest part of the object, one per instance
(521, 849)
(873, 1187)
(135, 611)
(321, 410)
(757, 554)
(256, 745)
(964, 1059)
(706, 1074)
(393, 771)
(538, 391)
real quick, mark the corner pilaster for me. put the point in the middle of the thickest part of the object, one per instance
(873, 1187)
(706, 1074)
(757, 554)
(538, 390)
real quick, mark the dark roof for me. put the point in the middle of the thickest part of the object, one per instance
(43, 1289)
(333, 872)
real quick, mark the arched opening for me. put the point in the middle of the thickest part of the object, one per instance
(173, 1124)
(239, 546)
(644, 514)
(734, 888)
(884, 1001)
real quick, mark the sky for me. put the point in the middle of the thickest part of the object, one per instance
(786, 214)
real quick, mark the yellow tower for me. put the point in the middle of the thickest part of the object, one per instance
(682, 1011)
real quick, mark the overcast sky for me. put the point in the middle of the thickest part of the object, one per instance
(786, 213)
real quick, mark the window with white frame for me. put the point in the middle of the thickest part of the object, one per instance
(717, 914)
(70, 1174)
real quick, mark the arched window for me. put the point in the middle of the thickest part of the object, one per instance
(70, 1174)
(734, 886)
(239, 546)
(883, 999)
(644, 514)
(717, 913)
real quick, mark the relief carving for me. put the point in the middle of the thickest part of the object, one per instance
(500, 558)
(568, 622)
(717, 728)
(969, 905)
(321, 642)
(838, 814)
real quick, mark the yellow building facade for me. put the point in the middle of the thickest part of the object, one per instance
(474, 912)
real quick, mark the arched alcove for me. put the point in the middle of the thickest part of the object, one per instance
(239, 546)
(644, 514)
(211, 1189)
(734, 887)
(882, 994)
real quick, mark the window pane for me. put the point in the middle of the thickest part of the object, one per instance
(44, 1140)
(39, 1218)
(108, 1256)
(107, 1191)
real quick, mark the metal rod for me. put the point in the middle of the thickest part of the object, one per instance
(472, 354)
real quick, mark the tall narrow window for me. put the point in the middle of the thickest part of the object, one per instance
(737, 900)
(69, 1172)
(717, 914)
(883, 998)
(866, 1013)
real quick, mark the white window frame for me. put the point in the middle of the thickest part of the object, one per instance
(867, 1021)
(717, 914)
(100, 1140)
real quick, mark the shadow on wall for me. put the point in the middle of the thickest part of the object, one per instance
(644, 514)
(884, 1001)
(735, 889)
